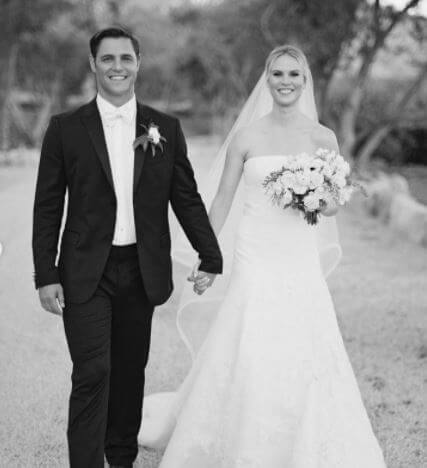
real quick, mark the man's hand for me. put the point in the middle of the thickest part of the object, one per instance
(52, 298)
(202, 280)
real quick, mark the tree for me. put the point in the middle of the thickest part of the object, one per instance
(231, 40)
(43, 58)
(376, 24)
(400, 114)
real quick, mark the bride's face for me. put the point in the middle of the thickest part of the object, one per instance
(286, 80)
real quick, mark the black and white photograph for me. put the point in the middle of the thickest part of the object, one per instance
(213, 233)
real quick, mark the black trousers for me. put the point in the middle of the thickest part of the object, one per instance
(109, 339)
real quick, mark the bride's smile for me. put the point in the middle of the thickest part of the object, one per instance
(286, 80)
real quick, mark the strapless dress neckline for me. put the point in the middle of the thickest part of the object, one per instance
(278, 156)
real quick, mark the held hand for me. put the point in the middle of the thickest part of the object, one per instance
(52, 298)
(202, 279)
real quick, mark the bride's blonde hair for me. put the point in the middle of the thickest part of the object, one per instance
(290, 50)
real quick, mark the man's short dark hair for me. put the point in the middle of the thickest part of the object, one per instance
(114, 32)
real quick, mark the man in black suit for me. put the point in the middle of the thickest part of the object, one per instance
(114, 264)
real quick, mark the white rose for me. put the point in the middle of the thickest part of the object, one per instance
(339, 181)
(317, 164)
(320, 191)
(299, 189)
(311, 202)
(321, 152)
(327, 171)
(287, 179)
(316, 180)
(277, 187)
(303, 178)
(287, 198)
(154, 135)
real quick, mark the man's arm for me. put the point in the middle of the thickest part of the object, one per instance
(48, 207)
(190, 210)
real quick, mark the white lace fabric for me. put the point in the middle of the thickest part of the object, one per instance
(271, 386)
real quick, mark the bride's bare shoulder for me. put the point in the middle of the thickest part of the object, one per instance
(324, 137)
(242, 140)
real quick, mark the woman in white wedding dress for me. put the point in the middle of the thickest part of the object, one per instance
(271, 386)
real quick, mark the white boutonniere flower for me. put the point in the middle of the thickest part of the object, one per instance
(152, 137)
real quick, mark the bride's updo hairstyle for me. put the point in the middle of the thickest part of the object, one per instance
(290, 50)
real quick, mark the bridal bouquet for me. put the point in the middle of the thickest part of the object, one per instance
(308, 182)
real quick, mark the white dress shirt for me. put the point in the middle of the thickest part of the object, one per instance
(119, 130)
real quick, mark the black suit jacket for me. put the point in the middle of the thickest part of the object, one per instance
(74, 158)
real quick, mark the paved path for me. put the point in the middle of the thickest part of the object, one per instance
(380, 292)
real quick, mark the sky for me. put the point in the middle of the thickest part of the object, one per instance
(420, 9)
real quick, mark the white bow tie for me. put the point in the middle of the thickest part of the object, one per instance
(111, 117)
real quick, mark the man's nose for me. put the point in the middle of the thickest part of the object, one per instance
(117, 64)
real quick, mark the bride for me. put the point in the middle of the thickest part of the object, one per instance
(271, 386)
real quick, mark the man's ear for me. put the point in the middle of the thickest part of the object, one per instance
(138, 61)
(92, 63)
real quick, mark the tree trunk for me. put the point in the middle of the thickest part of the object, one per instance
(347, 129)
(5, 112)
(371, 144)
(46, 110)
(397, 110)
(347, 133)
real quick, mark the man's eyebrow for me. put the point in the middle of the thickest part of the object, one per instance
(126, 54)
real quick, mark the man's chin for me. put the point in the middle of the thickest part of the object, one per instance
(118, 92)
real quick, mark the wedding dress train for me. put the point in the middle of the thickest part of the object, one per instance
(272, 385)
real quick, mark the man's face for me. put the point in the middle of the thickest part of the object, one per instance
(115, 66)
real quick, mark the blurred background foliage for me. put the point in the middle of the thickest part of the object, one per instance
(200, 60)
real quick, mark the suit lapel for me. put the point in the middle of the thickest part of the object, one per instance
(93, 124)
(142, 119)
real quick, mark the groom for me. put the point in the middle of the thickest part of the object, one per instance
(114, 264)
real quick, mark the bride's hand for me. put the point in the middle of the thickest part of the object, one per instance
(202, 279)
(330, 208)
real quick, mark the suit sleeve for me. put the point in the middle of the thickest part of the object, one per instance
(48, 207)
(190, 210)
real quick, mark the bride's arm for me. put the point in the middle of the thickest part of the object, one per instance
(230, 178)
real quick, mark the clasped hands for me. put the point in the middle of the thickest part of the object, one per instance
(202, 280)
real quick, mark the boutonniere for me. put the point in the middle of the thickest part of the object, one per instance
(151, 137)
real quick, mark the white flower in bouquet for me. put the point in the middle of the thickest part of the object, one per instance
(345, 194)
(304, 160)
(308, 182)
(317, 164)
(331, 157)
(286, 199)
(299, 189)
(321, 192)
(316, 180)
(327, 171)
(303, 178)
(343, 167)
(312, 202)
(287, 179)
(339, 180)
(321, 152)
(292, 164)
(277, 188)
